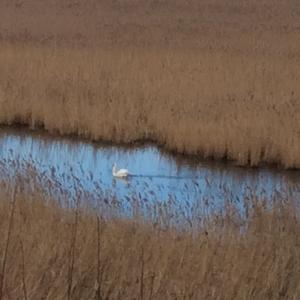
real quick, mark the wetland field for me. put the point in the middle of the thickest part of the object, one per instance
(199, 99)
(63, 242)
(215, 78)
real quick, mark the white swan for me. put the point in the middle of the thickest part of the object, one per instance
(122, 173)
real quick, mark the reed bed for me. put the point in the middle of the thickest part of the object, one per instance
(216, 79)
(74, 250)
(212, 78)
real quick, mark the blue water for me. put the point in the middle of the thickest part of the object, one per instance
(72, 163)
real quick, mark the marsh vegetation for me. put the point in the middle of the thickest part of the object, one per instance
(61, 241)
(213, 78)
(218, 79)
(75, 250)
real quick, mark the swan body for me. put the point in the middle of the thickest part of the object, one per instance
(122, 173)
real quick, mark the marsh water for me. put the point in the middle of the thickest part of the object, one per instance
(69, 165)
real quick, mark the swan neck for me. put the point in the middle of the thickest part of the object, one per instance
(114, 170)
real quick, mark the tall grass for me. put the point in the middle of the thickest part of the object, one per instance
(229, 257)
(217, 79)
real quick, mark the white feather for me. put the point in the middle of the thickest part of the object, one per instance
(119, 173)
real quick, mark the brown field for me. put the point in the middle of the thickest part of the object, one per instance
(208, 77)
(50, 250)
(214, 78)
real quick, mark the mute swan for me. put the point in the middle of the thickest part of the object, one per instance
(119, 173)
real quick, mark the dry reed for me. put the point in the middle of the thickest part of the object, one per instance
(213, 78)
(230, 257)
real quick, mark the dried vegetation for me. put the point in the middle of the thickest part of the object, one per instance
(215, 78)
(59, 250)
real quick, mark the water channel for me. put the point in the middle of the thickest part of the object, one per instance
(69, 165)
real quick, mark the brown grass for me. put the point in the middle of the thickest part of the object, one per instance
(214, 78)
(55, 252)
